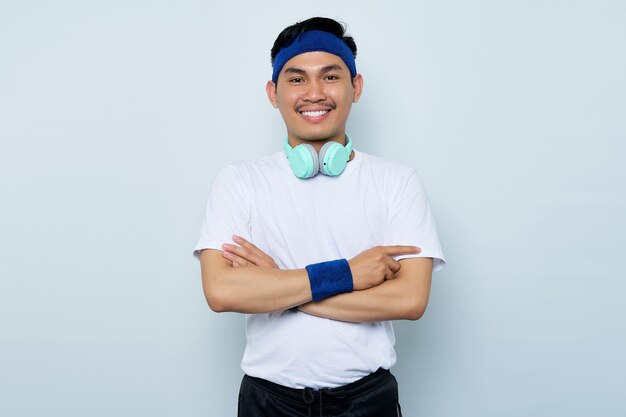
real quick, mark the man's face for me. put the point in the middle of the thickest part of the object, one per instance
(314, 93)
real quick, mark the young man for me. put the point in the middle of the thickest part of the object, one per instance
(320, 245)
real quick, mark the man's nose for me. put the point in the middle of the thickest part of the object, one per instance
(315, 91)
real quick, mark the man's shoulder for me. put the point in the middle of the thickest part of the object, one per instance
(246, 167)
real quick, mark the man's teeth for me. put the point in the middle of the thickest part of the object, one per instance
(314, 113)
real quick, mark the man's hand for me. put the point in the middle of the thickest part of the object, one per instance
(369, 268)
(373, 266)
(246, 254)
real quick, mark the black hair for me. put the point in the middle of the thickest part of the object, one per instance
(290, 33)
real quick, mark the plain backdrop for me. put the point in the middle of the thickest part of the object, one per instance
(115, 117)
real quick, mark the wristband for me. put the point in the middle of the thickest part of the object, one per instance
(329, 278)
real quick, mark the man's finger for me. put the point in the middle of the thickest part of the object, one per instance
(389, 274)
(250, 252)
(249, 246)
(235, 258)
(401, 250)
(241, 252)
(243, 242)
(394, 266)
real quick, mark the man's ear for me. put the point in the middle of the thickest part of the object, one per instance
(270, 88)
(357, 86)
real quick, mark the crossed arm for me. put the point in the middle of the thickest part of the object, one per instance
(244, 279)
(404, 297)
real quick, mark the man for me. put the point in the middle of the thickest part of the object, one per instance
(319, 244)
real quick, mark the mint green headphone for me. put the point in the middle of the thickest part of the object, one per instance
(306, 163)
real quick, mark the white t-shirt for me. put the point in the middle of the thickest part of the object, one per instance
(299, 222)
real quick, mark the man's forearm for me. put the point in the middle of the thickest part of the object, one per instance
(405, 297)
(251, 289)
(385, 302)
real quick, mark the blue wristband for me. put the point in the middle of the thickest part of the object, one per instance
(329, 278)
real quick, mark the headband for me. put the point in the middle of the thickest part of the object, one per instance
(314, 41)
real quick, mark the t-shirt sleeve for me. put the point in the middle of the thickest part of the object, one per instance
(227, 212)
(411, 221)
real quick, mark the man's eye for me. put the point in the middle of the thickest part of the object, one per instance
(332, 77)
(296, 80)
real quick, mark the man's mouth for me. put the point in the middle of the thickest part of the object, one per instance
(314, 113)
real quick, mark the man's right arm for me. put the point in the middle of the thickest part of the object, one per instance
(251, 289)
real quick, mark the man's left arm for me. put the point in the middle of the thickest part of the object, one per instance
(404, 297)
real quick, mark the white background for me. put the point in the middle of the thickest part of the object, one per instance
(115, 117)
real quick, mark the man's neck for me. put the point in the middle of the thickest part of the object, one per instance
(318, 144)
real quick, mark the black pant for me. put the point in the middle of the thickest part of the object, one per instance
(376, 395)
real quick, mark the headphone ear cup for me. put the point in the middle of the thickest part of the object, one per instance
(333, 158)
(304, 161)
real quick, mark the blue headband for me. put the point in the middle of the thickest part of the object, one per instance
(314, 41)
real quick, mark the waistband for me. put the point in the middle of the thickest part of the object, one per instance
(338, 395)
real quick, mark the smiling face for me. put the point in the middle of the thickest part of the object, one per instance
(314, 93)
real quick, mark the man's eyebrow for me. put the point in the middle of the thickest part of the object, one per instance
(333, 67)
(328, 68)
(294, 70)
